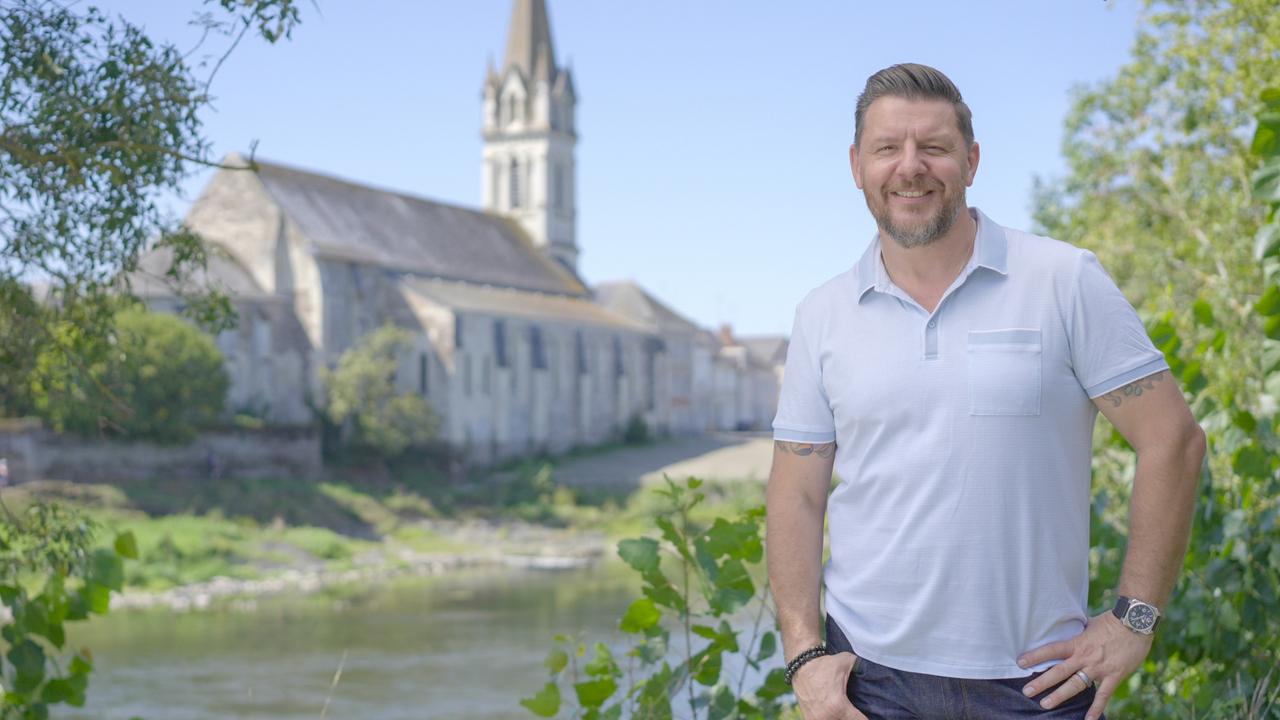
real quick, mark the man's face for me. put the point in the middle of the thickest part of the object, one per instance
(913, 166)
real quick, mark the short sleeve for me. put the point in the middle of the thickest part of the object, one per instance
(1109, 345)
(804, 413)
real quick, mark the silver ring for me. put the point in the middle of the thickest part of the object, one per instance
(1088, 682)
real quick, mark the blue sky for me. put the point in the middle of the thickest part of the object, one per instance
(712, 161)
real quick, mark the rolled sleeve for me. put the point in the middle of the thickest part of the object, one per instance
(804, 412)
(1109, 346)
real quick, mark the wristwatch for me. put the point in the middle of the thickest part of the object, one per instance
(1140, 617)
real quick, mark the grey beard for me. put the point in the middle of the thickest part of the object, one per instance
(927, 233)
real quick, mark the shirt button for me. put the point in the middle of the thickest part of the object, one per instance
(933, 323)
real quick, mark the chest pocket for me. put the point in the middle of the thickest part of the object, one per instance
(1004, 372)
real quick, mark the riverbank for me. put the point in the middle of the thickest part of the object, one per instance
(206, 545)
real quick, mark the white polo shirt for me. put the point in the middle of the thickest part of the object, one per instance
(960, 527)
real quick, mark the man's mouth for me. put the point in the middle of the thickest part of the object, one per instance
(910, 193)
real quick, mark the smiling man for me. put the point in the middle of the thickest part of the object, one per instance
(951, 380)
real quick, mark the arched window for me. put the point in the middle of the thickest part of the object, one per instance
(513, 176)
(512, 107)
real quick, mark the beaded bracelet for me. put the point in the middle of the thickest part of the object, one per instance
(817, 651)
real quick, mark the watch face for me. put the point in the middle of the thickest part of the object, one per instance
(1141, 617)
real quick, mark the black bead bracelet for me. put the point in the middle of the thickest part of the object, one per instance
(817, 651)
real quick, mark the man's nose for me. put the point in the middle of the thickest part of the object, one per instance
(911, 162)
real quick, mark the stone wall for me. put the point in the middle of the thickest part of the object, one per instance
(35, 453)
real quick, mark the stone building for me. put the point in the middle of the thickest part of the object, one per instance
(514, 350)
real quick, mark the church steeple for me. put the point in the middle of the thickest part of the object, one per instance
(529, 39)
(529, 137)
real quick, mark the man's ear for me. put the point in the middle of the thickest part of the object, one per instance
(974, 156)
(855, 167)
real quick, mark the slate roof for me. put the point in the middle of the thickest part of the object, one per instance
(221, 272)
(630, 299)
(509, 302)
(358, 223)
(770, 350)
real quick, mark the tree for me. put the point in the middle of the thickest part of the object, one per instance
(362, 395)
(165, 380)
(96, 121)
(1161, 185)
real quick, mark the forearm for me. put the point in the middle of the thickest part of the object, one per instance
(794, 537)
(1160, 513)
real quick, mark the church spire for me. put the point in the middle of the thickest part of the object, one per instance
(529, 45)
(530, 136)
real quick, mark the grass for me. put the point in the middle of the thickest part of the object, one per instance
(194, 530)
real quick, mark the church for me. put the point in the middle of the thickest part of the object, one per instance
(515, 351)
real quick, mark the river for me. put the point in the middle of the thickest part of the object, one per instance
(465, 645)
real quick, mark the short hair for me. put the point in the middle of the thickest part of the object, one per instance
(912, 81)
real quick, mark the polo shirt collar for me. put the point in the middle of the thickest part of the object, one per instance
(990, 250)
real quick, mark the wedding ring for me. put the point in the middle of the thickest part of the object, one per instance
(1088, 682)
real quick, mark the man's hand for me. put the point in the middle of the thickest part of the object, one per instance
(1107, 651)
(821, 686)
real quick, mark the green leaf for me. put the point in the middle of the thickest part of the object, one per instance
(693, 483)
(640, 553)
(1271, 327)
(546, 703)
(1266, 139)
(1202, 313)
(1267, 242)
(107, 569)
(603, 663)
(1269, 303)
(127, 545)
(28, 663)
(593, 693)
(97, 598)
(665, 595)
(57, 691)
(705, 631)
(768, 646)
(1266, 182)
(556, 661)
(709, 669)
(775, 685)
(722, 704)
(1252, 461)
(81, 665)
(734, 587)
(642, 615)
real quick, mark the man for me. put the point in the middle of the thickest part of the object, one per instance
(951, 380)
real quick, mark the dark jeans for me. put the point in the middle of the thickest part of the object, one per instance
(883, 693)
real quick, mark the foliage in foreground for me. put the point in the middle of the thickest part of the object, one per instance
(162, 380)
(699, 584)
(49, 576)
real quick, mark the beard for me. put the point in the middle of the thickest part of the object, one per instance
(920, 232)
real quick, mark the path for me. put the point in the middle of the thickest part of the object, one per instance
(719, 456)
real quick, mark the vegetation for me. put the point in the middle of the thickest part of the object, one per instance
(97, 121)
(706, 582)
(1166, 186)
(363, 396)
(51, 575)
(162, 380)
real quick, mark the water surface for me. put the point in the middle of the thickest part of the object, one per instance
(466, 645)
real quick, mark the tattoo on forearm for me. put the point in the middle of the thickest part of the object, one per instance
(824, 450)
(1135, 388)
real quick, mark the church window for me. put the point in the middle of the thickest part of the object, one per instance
(580, 351)
(514, 182)
(466, 375)
(511, 108)
(486, 376)
(500, 342)
(422, 374)
(457, 331)
(537, 354)
(555, 115)
(619, 369)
